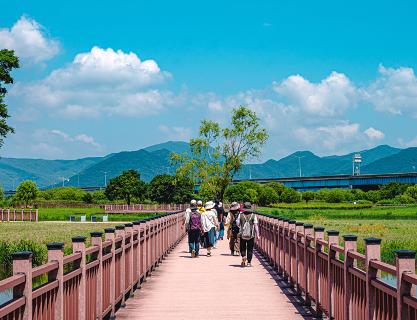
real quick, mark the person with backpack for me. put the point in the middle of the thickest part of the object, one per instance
(194, 229)
(233, 229)
(201, 209)
(187, 212)
(220, 216)
(210, 224)
(248, 224)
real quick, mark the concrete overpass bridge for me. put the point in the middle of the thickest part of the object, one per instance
(363, 181)
(142, 270)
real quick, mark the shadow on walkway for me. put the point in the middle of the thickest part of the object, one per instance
(305, 311)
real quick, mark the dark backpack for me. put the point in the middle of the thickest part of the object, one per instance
(195, 220)
(235, 228)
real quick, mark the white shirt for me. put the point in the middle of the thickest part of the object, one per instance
(209, 220)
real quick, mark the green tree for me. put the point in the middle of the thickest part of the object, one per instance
(251, 195)
(411, 192)
(238, 192)
(308, 196)
(290, 195)
(335, 196)
(219, 152)
(126, 186)
(26, 192)
(278, 187)
(8, 62)
(392, 189)
(267, 196)
(165, 188)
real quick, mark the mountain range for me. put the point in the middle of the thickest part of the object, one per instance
(154, 160)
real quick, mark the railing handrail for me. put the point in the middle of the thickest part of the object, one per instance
(338, 288)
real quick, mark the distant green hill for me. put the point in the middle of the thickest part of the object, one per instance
(155, 160)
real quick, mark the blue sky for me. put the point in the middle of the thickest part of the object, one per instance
(100, 77)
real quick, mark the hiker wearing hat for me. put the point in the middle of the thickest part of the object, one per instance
(248, 224)
(201, 209)
(187, 213)
(194, 229)
(233, 229)
(220, 216)
(210, 224)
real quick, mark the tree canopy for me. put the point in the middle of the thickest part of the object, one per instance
(126, 186)
(26, 192)
(165, 188)
(8, 62)
(219, 152)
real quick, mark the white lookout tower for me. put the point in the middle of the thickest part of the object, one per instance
(356, 164)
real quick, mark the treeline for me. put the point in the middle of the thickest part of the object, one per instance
(273, 192)
(126, 188)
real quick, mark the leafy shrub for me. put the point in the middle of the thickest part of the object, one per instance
(267, 196)
(7, 248)
(411, 192)
(404, 199)
(290, 196)
(251, 195)
(308, 196)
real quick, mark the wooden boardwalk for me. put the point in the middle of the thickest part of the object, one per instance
(211, 288)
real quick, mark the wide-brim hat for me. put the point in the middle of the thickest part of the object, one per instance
(247, 205)
(210, 205)
(234, 206)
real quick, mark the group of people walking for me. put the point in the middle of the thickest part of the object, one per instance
(205, 225)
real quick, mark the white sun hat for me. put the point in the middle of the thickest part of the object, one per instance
(194, 201)
(210, 205)
(199, 202)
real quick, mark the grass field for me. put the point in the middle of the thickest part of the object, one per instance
(396, 226)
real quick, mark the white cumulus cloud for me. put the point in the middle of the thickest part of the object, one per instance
(82, 137)
(394, 91)
(99, 82)
(374, 134)
(30, 41)
(328, 98)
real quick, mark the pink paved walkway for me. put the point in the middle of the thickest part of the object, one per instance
(209, 288)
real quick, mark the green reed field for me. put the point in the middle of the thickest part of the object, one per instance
(397, 226)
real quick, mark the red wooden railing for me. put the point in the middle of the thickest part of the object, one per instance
(19, 215)
(92, 282)
(337, 281)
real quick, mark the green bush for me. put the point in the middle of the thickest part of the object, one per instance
(251, 195)
(267, 196)
(404, 199)
(308, 196)
(7, 248)
(337, 196)
(411, 192)
(290, 196)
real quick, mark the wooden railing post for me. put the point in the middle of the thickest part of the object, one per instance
(109, 235)
(78, 245)
(120, 232)
(405, 263)
(136, 227)
(275, 243)
(350, 245)
(372, 252)
(318, 235)
(56, 253)
(308, 231)
(97, 240)
(292, 263)
(299, 228)
(280, 257)
(333, 238)
(286, 261)
(22, 264)
(129, 234)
